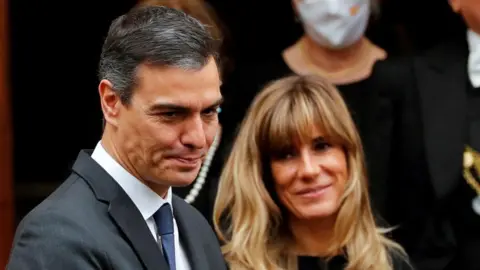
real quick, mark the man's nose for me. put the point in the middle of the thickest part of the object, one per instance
(194, 134)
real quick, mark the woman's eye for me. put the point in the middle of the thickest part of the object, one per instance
(320, 146)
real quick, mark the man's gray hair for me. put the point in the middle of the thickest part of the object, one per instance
(153, 35)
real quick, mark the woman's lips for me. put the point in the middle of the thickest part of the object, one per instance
(313, 192)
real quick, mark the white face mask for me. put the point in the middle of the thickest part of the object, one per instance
(334, 23)
(474, 57)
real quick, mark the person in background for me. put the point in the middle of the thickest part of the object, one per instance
(434, 189)
(333, 46)
(293, 194)
(205, 13)
(160, 93)
(199, 9)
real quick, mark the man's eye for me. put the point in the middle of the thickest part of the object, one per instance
(212, 111)
(169, 114)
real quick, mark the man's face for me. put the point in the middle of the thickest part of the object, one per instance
(170, 123)
(470, 10)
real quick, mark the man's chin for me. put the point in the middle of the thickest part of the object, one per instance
(183, 179)
(180, 184)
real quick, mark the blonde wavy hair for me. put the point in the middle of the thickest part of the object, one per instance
(249, 220)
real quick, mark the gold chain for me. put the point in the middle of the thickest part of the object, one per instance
(471, 160)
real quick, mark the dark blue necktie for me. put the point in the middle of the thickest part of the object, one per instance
(164, 219)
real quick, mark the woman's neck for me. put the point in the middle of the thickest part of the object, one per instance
(339, 65)
(313, 237)
(335, 60)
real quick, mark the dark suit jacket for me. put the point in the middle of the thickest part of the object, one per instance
(429, 93)
(89, 222)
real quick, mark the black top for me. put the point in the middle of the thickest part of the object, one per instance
(316, 263)
(371, 113)
(339, 263)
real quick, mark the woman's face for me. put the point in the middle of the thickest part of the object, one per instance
(335, 24)
(310, 178)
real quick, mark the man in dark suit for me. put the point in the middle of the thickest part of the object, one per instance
(159, 93)
(435, 187)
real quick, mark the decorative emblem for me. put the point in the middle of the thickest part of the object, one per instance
(471, 173)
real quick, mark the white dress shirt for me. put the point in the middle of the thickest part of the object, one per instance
(145, 199)
(474, 57)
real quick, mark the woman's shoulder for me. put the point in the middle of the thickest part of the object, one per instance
(393, 66)
(389, 77)
(393, 76)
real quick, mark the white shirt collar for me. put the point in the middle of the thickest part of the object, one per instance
(474, 57)
(145, 199)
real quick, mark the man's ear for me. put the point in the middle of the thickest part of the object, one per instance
(110, 102)
(455, 4)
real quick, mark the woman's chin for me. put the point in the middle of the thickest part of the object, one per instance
(319, 210)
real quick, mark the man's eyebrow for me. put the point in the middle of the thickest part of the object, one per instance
(167, 106)
(216, 103)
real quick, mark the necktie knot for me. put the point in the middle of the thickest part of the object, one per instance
(164, 219)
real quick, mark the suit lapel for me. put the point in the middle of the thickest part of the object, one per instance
(122, 210)
(189, 236)
(129, 219)
(442, 82)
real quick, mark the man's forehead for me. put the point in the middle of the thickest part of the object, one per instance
(174, 82)
(151, 74)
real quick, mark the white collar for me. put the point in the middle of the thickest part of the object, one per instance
(474, 57)
(145, 199)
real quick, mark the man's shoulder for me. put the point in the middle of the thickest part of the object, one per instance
(60, 233)
(72, 202)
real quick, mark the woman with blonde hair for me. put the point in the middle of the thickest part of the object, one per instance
(334, 45)
(293, 193)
